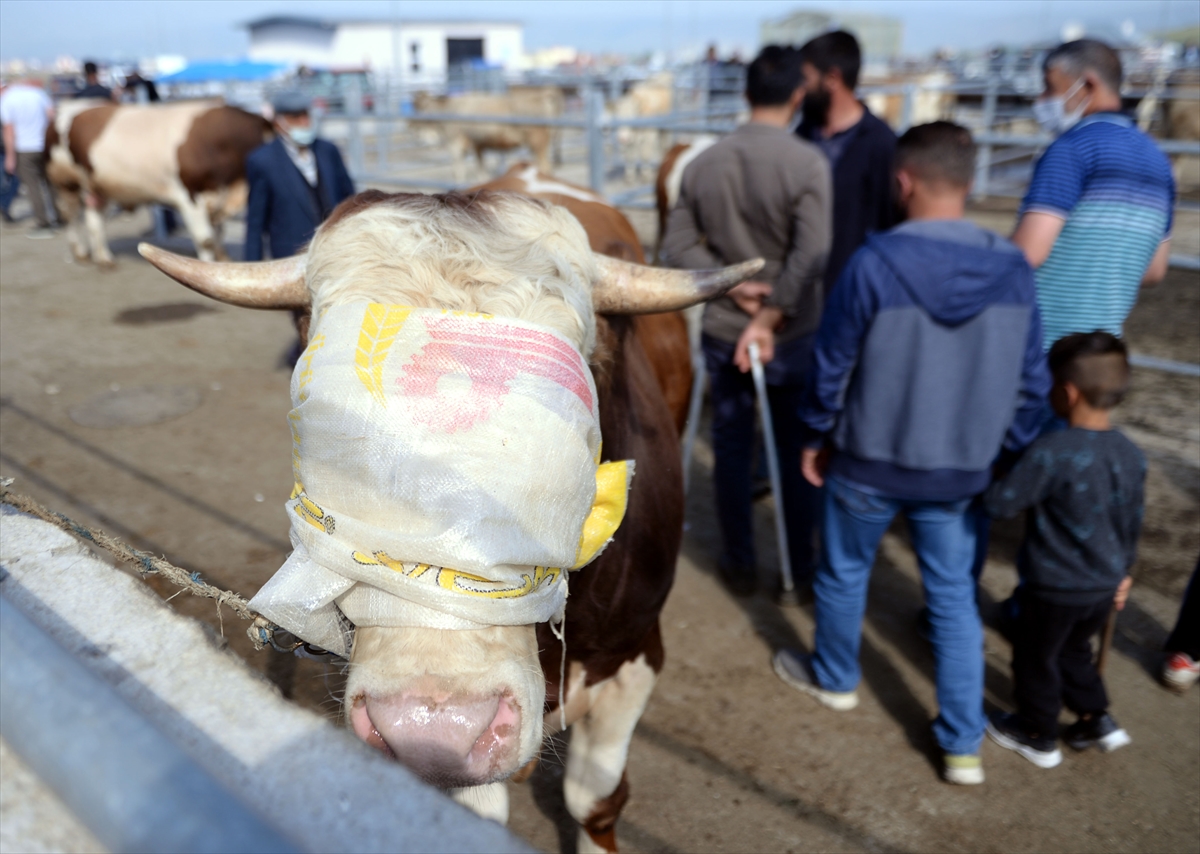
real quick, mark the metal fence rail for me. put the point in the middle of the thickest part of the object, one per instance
(129, 784)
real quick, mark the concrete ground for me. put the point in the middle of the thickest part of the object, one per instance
(726, 758)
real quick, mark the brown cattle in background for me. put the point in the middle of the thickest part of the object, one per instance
(478, 137)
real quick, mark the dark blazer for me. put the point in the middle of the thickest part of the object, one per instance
(283, 204)
(863, 195)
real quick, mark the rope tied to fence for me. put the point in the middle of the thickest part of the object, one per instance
(261, 631)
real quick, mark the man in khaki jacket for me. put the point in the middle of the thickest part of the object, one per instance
(760, 192)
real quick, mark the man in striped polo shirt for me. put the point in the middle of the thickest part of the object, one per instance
(1095, 223)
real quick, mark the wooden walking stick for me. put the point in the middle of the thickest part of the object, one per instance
(1110, 628)
(1106, 640)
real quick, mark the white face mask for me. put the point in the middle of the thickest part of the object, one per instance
(298, 134)
(1052, 115)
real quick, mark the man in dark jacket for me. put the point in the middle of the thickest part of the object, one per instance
(295, 182)
(758, 193)
(859, 146)
(928, 360)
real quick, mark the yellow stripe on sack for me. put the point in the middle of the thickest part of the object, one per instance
(608, 509)
(312, 513)
(458, 581)
(381, 324)
(305, 377)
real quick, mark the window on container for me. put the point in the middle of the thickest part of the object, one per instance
(459, 51)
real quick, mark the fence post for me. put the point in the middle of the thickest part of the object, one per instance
(906, 109)
(383, 124)
(594, 103)
(353, 113)
(983, 165)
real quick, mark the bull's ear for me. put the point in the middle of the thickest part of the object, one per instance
(627, 288)
(258, 284)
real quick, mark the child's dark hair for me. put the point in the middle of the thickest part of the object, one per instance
(1096, 363)
(938, 152)
(773, 76)
(835, 50)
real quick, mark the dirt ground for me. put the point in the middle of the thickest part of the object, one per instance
(726, 758)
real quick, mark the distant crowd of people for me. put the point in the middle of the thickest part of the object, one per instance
(918, 364)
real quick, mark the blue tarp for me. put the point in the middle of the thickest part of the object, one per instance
(238, 69)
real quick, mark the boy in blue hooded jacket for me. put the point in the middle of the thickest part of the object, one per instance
(928, 361)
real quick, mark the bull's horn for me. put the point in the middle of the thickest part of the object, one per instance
(258, 284)
(627, 288)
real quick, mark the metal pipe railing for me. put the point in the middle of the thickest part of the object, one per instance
(133, 788)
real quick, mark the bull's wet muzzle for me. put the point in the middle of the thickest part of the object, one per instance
(449, 741)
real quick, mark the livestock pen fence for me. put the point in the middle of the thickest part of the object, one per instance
(998, 113)
(383, 149)
(384, 146)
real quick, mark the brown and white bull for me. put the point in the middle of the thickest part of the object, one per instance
(466, 709)
(664, 337)
(190, 155)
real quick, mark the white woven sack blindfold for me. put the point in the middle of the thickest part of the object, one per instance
(446, 471)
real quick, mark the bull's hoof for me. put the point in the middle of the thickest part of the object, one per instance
(107, 265)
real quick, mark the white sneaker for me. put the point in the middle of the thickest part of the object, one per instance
(962, 770)
(1179, 672)
(796, 671)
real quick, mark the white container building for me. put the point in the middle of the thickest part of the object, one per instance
(412, 51)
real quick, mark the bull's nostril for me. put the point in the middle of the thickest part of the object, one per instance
(365, 729)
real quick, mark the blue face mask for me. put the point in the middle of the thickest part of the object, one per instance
(302, 136)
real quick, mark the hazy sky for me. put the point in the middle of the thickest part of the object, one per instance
(124, 29)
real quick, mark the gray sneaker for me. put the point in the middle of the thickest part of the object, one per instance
(40, 232)
(796, 671)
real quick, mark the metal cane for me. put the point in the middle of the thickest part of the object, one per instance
(693, 419)
(788, 595)
(699, 375)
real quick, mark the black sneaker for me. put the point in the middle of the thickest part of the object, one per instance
(1100, 730)
(1007, 731)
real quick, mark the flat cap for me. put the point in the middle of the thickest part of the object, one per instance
(291, 102)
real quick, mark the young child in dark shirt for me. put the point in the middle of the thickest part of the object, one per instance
(1082, 487)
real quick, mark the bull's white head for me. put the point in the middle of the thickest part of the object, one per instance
(460, 707)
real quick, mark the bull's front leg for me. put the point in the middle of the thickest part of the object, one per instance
(489, 801)
(194, 213)
(595, 788)
(69, 203)
(93, 218)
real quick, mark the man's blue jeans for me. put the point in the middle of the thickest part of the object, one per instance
(943, 536)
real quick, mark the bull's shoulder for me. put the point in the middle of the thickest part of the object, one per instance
(85, 128)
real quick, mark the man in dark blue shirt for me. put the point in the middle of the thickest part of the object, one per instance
(92, 86)
(860, 147)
